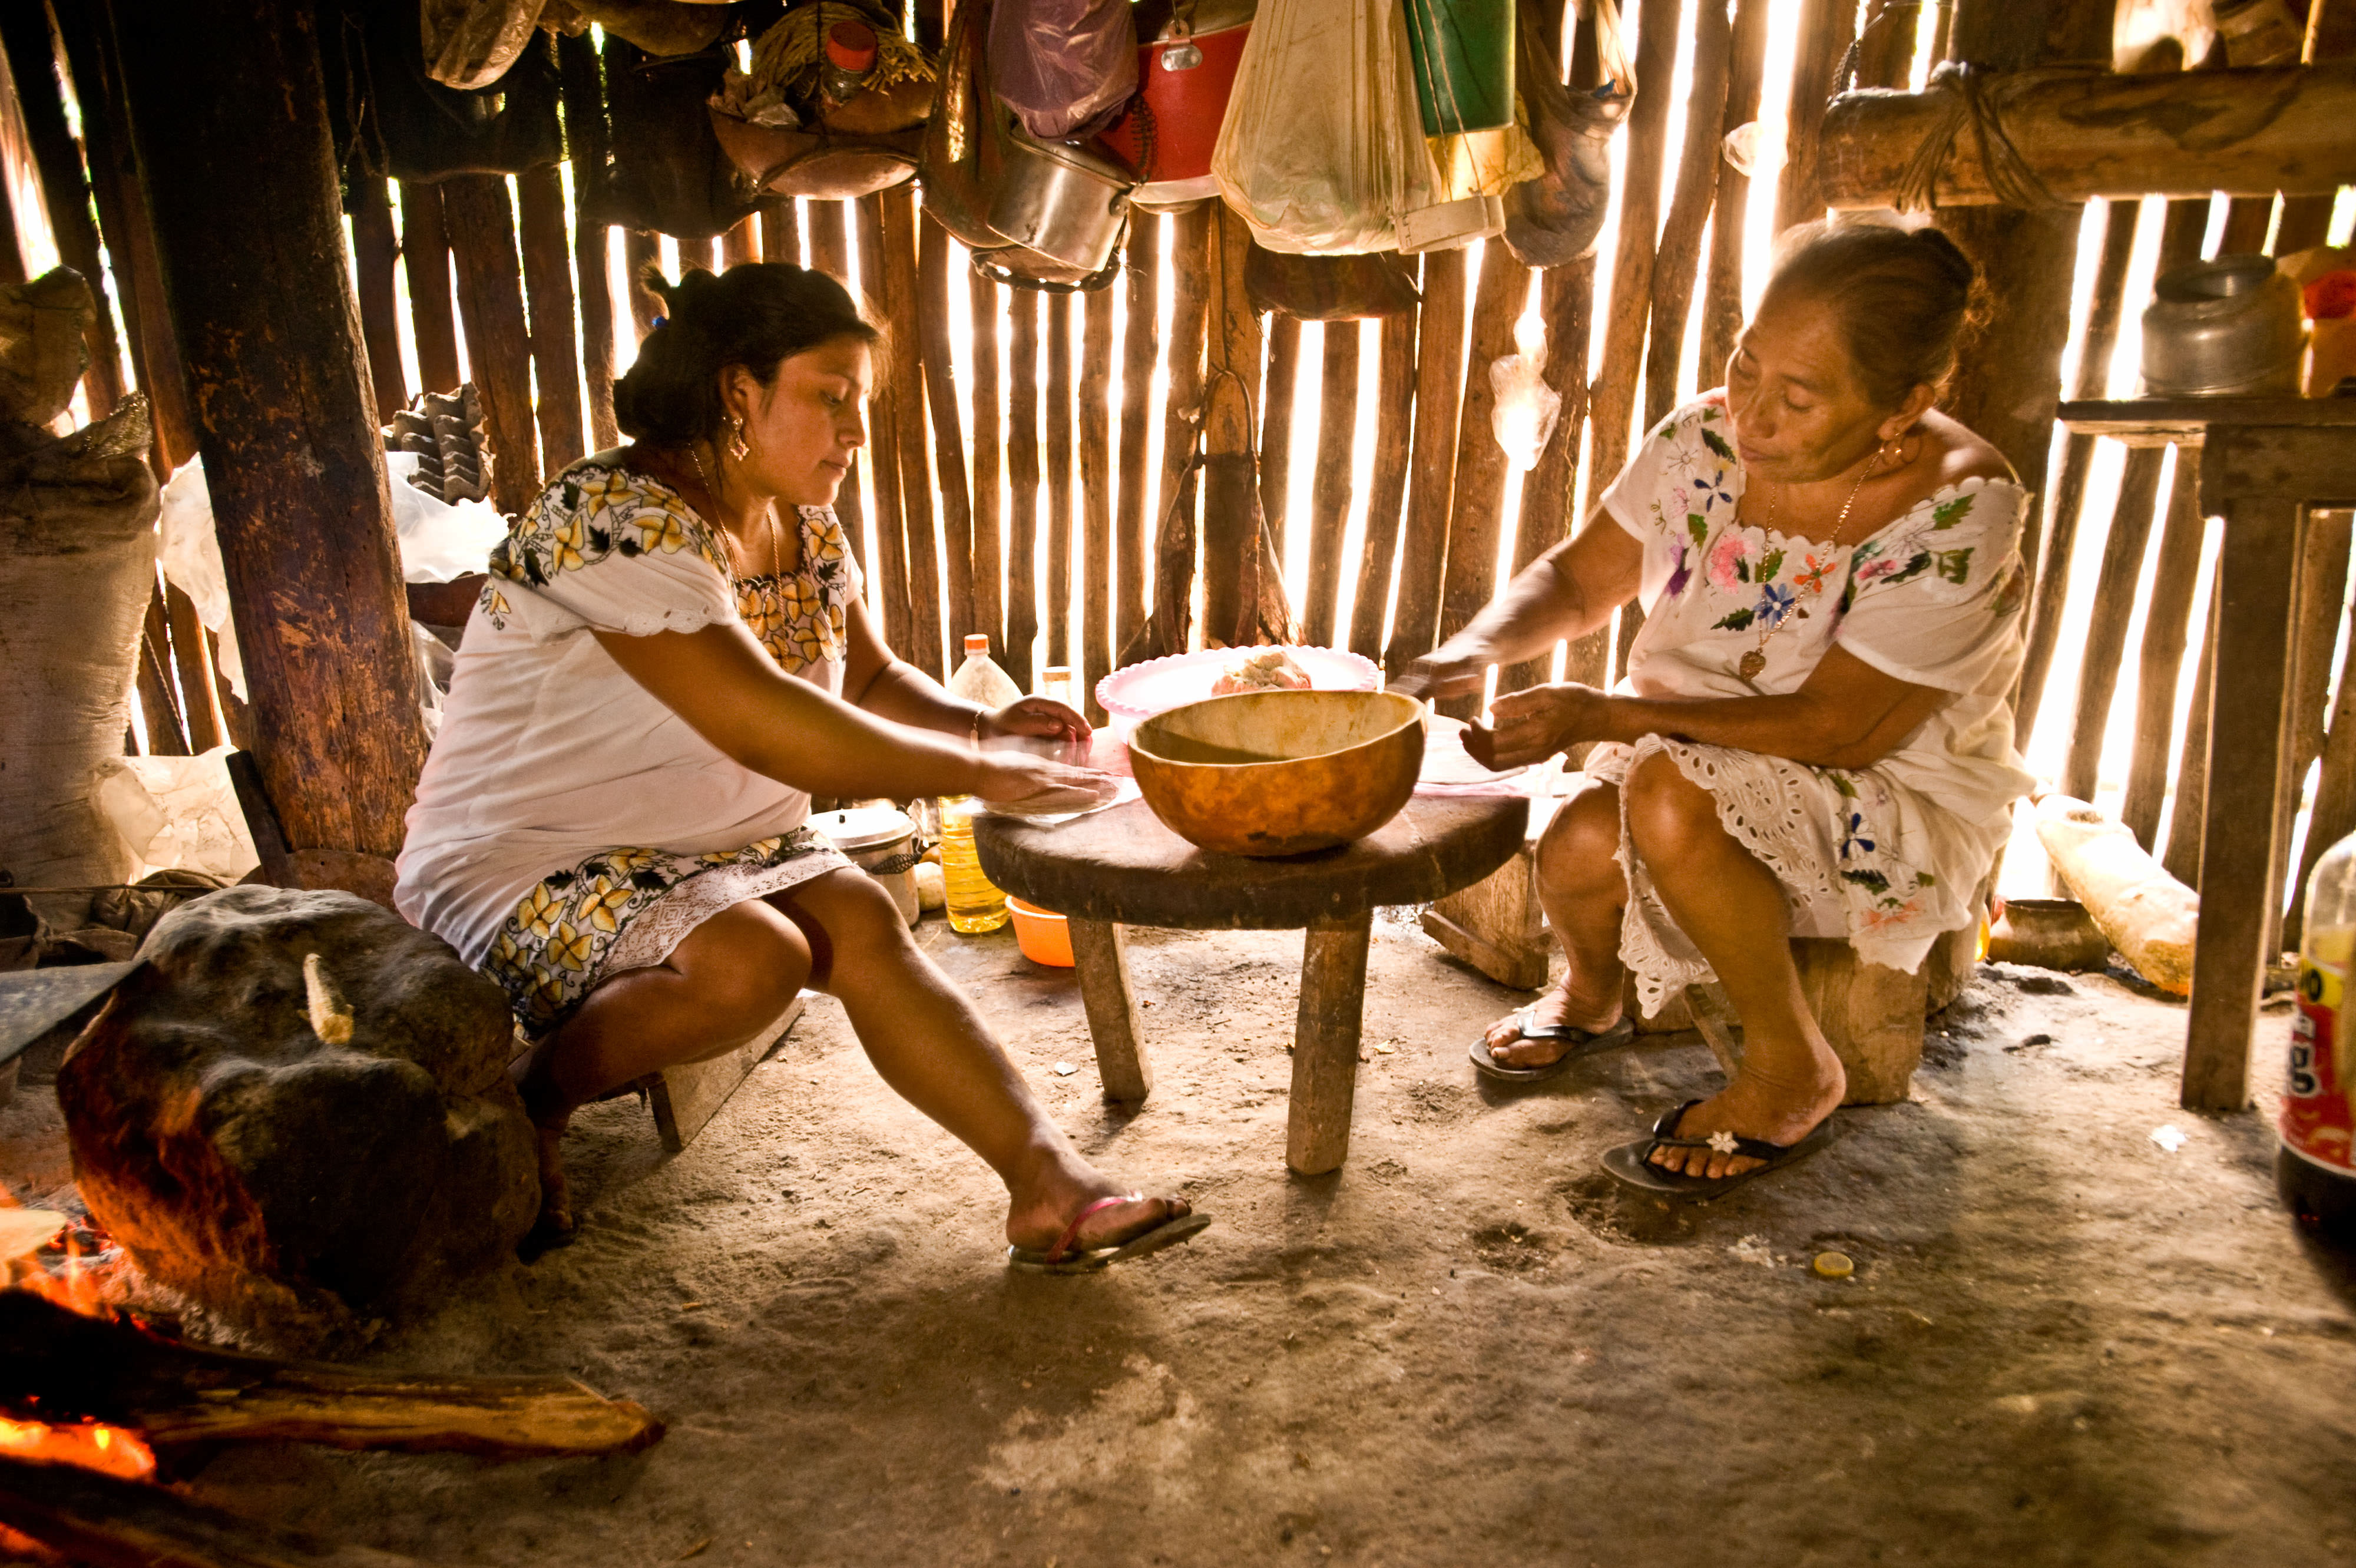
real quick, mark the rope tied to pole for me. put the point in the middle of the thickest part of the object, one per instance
(1970, 97)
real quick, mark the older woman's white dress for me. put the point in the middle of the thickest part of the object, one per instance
(1887, 856)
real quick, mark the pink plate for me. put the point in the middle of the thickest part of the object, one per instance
(1142, 691)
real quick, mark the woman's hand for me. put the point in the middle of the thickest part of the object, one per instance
(1450, 670)
(1040, 718)
(1038, 786)
(1529, 727)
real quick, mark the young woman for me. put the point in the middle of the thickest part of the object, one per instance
(671, 656)
(1815, 737)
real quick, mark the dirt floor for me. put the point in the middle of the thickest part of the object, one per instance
(2064, 1343)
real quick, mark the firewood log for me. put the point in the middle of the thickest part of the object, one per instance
(2148, 914)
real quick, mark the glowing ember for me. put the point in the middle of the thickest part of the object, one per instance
(111, 1450)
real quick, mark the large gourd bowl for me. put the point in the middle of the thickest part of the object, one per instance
(1277, 773)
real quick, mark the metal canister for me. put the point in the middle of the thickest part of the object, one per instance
(1188, 57)
(1060, 201)
(881, 842)
(2227, 327)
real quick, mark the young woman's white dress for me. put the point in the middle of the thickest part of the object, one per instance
(1887, 856)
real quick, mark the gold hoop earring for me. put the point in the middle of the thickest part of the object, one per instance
(738, 447)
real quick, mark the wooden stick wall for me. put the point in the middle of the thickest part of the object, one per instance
(1073, 477)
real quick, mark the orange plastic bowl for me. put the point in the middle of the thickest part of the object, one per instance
(1044, 935)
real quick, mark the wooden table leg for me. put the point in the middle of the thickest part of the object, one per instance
(1325, 1042)
(2241, 849)
(1100, 953)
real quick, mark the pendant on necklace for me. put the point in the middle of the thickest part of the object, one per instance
(1749, 664)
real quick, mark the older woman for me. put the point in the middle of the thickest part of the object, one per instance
(659, 675)
(1815, 737)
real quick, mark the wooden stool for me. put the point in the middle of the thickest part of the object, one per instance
(1122, 867)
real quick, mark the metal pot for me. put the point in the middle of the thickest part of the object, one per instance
(1060, 201)
(881, 841)
(1188, 53)
(2228, 327)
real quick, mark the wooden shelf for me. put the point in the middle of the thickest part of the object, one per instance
(2147, 421)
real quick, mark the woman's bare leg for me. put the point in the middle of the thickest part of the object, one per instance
(1583, 892)
(1734, 911)
(931, 1046)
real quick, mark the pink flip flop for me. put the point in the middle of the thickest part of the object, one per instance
(1064, 1258)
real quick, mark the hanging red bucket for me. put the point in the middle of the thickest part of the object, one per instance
(1185, 73)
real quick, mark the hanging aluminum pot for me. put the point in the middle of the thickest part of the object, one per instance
(2227, 327)
(1060, 201)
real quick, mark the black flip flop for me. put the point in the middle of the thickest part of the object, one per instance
(1631, 1163)
(1582, 1042)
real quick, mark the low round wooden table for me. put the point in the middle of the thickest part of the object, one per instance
(1121, 867)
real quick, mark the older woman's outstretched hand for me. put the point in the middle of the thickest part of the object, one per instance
(1031, 785)
(1443, 673)
(1531, 726)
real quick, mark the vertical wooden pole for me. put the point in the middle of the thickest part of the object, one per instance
(740, 244)
(1234, 554)
(167, 733)
(1175, 543)
(2107, 632)
(1679, 256)
(1826, 27)
(1721, 320)
(883, 435)
(2333, 815)
(1329, 503)
(548, 287)
(1432, 483)
(830, 238)
(1094, 661)
(1885, 56)
(1100, 961)
(588, 140)
(1386, 486)
(1023, 480)
(986, 300)
(425, 261)
(2322, 591)
(948, 431)
(33, 62)
(2249, 219)
(898, 240)
(499, 344)
(1325, 1051)
(641, 254)
(1473, 519)
(373, 253)
(1567, 302)
(1283, 389)
(2186, 817)
(1061, 308)
(781, 233)
(1140, 347)
(2174, 577)
(228, 114)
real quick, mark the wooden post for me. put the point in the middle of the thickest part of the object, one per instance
(589, 142)
(167, 733)
(641, 254)
(884, 438)
(2187, 817)
(948, 434)
(499, 344)
(228, 114)
(2174, 577)
(1174, 547)
(1282, 385)
(1101, 960)
(1325, 1044)
(1431, 484)
(1094, 661)
(2107, 630)
(1233, 549)
(781, 232)
(1721, 320)
(1674, 264)
(2307, 220)
(830, 238)
(1329, 504)
(740, 244)
(2333, 815)
(1826, 29)
(548, 285)
(1885, 54)
(899, 259)
(1632, 269)
(1473, 516)
(984, 299)
(1022, 479)
(1061, 308)
(1567, 302)
(2322, 588)
(425, 260)
(33, 61)
(2050, 564)
(374, 249)
(1140, 347)
(1386, 487)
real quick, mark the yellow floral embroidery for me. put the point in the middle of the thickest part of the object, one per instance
(540, 912)
(570, 949)
(600, 905)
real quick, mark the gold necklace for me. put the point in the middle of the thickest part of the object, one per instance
(1755, 661)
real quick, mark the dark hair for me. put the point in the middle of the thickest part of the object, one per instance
(756, 315)
(1907, 299)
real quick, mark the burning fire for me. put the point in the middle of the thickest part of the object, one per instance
(74, 1279)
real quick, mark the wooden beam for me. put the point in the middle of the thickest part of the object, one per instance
(641, 254)
(425, 261)
(499, 343)
(588, 141)
(1094, 661)
(926, 649)
(948, 433)
(1885, 54)
(374, 252)
(1237, 568)
(1567, 302)
(1386, 487)
(1432, 483)
(228, 114)
(1023, 482)
(985, 302)
(741, 243)
(168, 733)
(830, 238)
(1171, 628)
(781, 232)
(1061, 308)
(1679, 254)
(1826, 27)
(547, 241)
(1329, 505)
(2187, 816)
(1141, 349)
(2248, 132)
(1473, 517)
(2322, 591)
(2106, 629)
(1280, 390)
(1721, 319)
(1631, 268)
(884, 440)
(2175, 576)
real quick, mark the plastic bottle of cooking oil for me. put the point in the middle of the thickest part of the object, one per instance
(2315, 1167)
(974, 905)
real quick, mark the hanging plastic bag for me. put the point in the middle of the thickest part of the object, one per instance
(177, 813)
(441, 541)
(1345, 168)
(1066, 68)
(1524, 415)
(190, 556)
(1554, 218)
